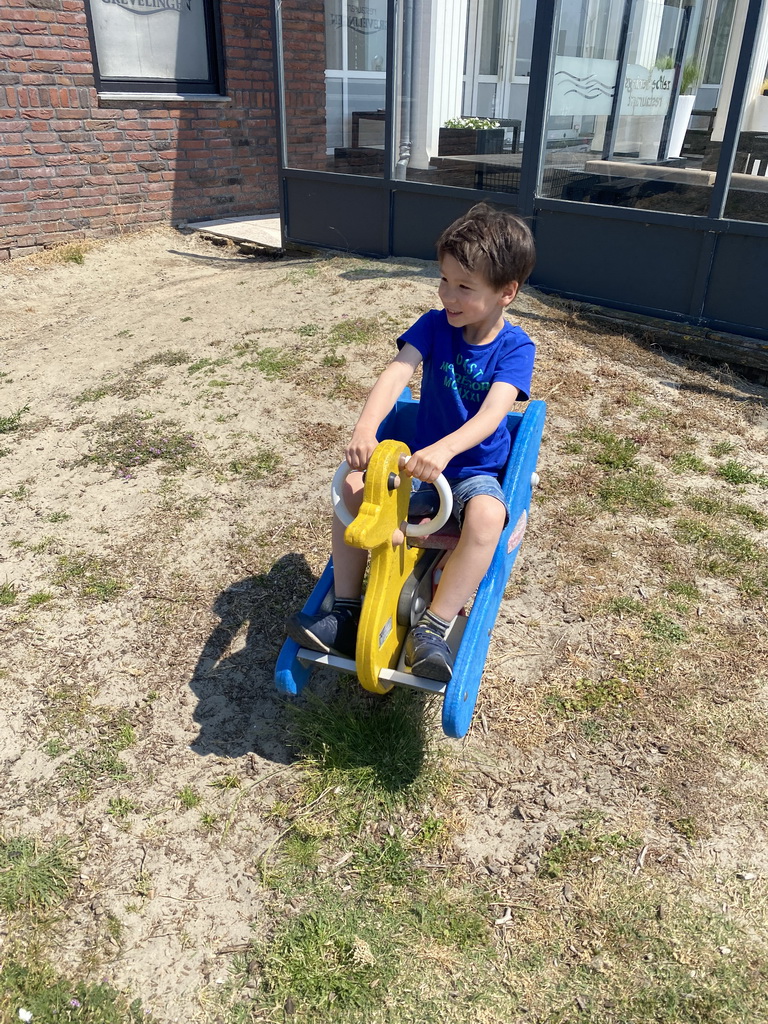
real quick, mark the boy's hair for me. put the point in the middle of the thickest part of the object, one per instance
(495, 243)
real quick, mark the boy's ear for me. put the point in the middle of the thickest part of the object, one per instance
(509, 291)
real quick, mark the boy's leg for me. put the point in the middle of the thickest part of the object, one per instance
(427, 652)
(337, 630)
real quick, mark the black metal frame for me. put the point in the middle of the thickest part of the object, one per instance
(214, 85)
(709, 279)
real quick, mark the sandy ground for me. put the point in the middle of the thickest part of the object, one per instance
(207, 558)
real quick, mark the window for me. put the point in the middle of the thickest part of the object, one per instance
(156, 46)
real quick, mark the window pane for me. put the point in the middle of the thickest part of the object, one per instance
(450, 71)
(161, 40)
(748, 192)
(334, 57)
(645, 143)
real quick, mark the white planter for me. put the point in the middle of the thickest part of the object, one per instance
(680, 124)
(757, 115)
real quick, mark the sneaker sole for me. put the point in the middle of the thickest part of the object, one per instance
(306, 639)
(438, 671)
(309, 641)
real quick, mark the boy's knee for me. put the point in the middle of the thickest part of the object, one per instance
(484, 518)
(352, 492)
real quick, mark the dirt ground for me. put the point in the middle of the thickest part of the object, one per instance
(146, 589)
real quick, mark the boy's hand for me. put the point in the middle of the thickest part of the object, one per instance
(428, 463)
(359, 451)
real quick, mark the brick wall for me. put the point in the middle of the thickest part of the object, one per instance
(73, 167)
(304, 71)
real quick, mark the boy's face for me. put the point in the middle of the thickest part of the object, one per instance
(469, 300)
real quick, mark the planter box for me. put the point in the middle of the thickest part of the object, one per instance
(462, 141)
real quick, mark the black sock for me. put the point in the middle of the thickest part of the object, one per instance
(348, 606)
(435, 623)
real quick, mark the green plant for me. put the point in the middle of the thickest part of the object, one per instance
(577, 848)
(227, 782)
(369, 756)
(274, 363)
(188, 798)
(72, 253)
(260, 464)
(10, 423)
(88, 575)
(121, 807)
(36, 992)
(735, 473)
(662, 628)
(684, 461)
(132, 440)
(33, 874)
(639, 490)
(40, 597)
(613, 452)
(7, 593)
(475, 123)
(101, 761)
(690, 77)
(721, 448)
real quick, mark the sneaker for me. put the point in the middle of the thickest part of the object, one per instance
(427, 654)
(332, 633)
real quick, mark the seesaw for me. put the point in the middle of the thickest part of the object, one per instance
(401, 572)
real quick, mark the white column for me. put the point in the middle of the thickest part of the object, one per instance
(439, 41)
(756, 75)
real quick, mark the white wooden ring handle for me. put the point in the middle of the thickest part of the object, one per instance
(413, 529)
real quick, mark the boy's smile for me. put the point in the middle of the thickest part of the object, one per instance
(471, 303)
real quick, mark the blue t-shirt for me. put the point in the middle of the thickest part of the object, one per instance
(457, 377)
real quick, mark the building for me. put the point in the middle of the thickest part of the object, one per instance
(632, 133)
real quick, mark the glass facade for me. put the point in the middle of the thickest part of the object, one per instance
(623, 101)
(334, 55)
(638, 99)
(464, 68)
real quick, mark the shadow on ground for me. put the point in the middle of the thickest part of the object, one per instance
(239, 710)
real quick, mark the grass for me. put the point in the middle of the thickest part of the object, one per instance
(100, 762)
(8, 594)
(256, 465)
(370, 755)
(34, 874)
(12, 422)
(131, 440)
(39, 990)
(342, 959)
(637, 491)
(730, 555)
(355, 331)
(188, 798)
(578, 847)
(275, 363)
(735, 473)
(87, 576)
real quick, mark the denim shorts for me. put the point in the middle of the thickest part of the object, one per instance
(425, 500)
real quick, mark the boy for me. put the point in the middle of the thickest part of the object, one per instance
(476, 366)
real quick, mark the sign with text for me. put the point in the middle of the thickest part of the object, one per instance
(171, 44)
(583, 87)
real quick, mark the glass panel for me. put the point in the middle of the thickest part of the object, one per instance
(647, 143)
(453, 58)
(160, 39)
(748, 192)
(334, 59)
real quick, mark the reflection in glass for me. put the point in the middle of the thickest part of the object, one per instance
(334, 68)
(464, 70)
(748, 192)
(630, 120)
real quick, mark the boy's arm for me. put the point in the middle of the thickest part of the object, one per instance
(381, 399)
(428, 463)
